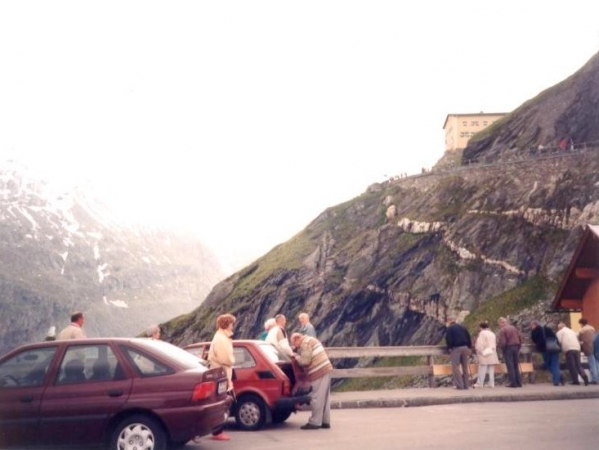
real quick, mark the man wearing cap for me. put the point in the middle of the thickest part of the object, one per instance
(459, 345)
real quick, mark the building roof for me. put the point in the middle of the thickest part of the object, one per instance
(471, 115)
(583, 269)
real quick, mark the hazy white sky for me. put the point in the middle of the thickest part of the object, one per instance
(243, 120)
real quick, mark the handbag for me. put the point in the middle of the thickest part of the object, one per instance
(551, 343)
(487, 351)
(552, 346)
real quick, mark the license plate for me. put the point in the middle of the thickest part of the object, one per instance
(222, 387)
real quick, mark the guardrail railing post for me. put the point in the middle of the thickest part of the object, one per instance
(431, 377)
(531, 375)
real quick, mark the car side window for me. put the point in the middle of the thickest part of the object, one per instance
(28, 368)
(145, 365)
(88, 363)
(243, 358)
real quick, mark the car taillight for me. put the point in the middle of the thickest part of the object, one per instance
(203, 390)
(287, 388)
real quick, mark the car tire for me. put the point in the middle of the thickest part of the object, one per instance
(138, 431)
(280, 416)
(250, 412)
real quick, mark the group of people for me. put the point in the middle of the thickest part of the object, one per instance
(275, 333)
(509, 341)
(302, 348)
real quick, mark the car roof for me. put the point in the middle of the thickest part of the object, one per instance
(235, 341)
(156, 345)
(84, 340)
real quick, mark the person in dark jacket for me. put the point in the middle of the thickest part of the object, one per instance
(459, 345)
(539, 334)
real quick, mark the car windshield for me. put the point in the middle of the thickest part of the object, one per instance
(270, 351)
(172, 351)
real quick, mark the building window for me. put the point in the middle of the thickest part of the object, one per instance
(464, 123)
(485, 123)
(474, 123)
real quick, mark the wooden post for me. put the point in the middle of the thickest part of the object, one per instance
(531, 374)
(431, 377)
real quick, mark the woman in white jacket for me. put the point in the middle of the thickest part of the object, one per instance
(486, 354)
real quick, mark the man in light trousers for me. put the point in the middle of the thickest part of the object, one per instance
(317, 366)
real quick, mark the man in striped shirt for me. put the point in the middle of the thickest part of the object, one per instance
(317, 366)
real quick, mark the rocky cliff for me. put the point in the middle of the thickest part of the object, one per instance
(494, 235)
(568, 111)
(62, 251)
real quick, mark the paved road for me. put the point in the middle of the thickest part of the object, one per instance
(546, 425)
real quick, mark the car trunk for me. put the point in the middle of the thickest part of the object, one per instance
(297, 377)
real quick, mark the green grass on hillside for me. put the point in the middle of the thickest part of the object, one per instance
(376, 383)
(510, 302)
(287, 256)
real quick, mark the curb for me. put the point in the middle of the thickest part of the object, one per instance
(430, 401)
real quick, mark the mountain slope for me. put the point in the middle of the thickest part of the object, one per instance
(387, 267)
(568, 110)
(62, 252)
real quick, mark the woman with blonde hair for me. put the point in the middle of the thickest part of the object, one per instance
(486, 354)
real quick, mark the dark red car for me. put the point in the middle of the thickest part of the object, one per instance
(122, 394)
(266, 388)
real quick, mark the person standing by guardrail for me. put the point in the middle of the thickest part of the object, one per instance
(586, 336)
(571, 347)
(540, 335)
(510, 342)
(486, 355)
(459, 345)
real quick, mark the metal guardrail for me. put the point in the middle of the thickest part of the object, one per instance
(428, 351)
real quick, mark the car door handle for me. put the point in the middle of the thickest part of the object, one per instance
(26, 399)
(115, 393)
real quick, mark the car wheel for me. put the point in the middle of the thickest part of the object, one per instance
(138, 432)
(250, 412)
(280, 416)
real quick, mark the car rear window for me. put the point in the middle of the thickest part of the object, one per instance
(183, 357)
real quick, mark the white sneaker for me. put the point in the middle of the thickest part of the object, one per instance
(477, 385)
